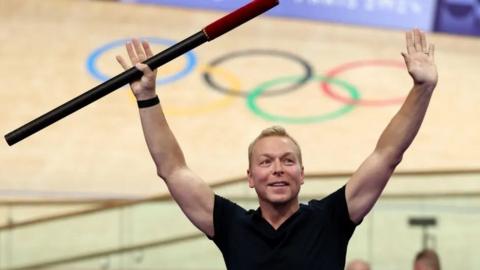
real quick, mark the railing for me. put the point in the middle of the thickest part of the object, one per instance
(152, 233)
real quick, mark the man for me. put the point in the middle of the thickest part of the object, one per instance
(426, 259)
(281, 233)
(358, 265)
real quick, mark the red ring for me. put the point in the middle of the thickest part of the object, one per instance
(356, 64)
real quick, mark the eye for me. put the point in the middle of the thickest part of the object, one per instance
(265, 162)
(289, 161)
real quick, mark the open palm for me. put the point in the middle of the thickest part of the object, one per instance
(144, 88)
(420, 58)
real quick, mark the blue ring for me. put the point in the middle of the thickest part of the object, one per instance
(97, 53)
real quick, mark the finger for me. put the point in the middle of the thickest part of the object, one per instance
(409, 41)
(405, 58)
(431, 51)
(423, 40)
(148, 50)
(417, 40)
(131, 53)
(139, 50)
(122, 62)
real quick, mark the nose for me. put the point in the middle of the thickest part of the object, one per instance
(277, 168)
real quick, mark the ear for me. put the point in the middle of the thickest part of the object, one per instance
(250, 179)
(302, 175)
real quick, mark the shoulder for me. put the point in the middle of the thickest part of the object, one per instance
(334, 199)
(223, 207)
(224, 202)
(227, 218)
(334, 206)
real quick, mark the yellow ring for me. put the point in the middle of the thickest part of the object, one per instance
(208, 107)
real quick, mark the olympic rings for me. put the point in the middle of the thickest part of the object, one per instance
(251, 102)
(217, 104)
(237, 92)
(97, 53)
(234, 89)
(351, 65)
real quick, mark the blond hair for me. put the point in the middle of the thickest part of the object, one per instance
(272, 131)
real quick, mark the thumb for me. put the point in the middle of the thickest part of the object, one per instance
(144, 68)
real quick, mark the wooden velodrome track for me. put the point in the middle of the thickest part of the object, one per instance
(45, 46)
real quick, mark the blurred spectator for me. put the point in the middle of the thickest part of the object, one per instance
(358, 265)
(426, 259)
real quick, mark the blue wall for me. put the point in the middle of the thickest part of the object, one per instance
(454, 16)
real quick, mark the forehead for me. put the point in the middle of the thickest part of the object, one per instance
(274, 145)
(420, 265)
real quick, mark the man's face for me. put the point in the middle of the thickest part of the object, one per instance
(275, 171)
(421, 265)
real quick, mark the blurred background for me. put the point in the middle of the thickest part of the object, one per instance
(83, 193)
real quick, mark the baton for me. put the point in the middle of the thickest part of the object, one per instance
(209, 33)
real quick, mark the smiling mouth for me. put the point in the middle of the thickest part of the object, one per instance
(278, 184)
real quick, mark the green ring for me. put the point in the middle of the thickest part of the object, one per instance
(258, 91)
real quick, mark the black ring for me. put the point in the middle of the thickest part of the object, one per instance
(237, 92)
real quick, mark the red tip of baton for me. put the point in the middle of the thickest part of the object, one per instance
(238, 17)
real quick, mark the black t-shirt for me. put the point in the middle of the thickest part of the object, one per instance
(313, 238)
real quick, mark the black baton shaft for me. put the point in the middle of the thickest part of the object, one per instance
(105, 88)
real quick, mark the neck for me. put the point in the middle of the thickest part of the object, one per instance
(276, 214)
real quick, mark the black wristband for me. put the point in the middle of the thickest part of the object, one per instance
(148, 102)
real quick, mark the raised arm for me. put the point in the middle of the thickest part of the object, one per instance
(192, 194)
(367, 183)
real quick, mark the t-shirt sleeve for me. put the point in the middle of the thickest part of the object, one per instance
(335, 205)
(224, 212)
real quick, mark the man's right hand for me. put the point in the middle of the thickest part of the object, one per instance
(144, 88)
